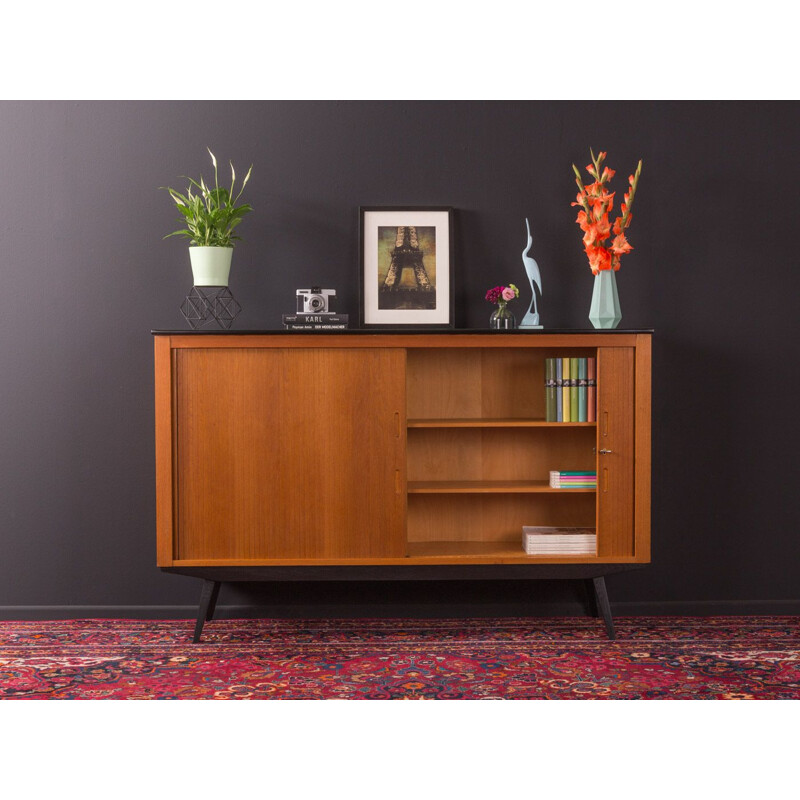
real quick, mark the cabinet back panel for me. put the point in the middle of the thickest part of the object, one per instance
(444, 383)
(493, 518)
(480, 382)
(474, 454)
(512, 384)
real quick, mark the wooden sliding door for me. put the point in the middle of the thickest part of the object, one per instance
(289, 453)
(615, 448)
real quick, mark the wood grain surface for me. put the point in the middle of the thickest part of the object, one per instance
(299, 450)
(290, 453)
(615, 417)
(165, 441)
(494, 517)
(517, 454)
(643, 444)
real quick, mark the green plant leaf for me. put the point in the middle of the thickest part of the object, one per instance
(210, 214)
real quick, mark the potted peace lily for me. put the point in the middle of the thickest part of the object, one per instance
(210, 216)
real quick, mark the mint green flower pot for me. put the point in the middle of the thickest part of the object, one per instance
(211, 266)
(605, 311)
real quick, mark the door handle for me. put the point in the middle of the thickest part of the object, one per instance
(604, 452)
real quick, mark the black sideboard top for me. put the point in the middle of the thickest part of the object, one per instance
(395, 331)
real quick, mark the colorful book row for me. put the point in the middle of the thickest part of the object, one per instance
(570, 389)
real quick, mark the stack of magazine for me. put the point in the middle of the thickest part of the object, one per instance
(573, 480)
(539, 541)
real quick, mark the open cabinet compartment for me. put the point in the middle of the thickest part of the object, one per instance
(449, 385)
(479, 452)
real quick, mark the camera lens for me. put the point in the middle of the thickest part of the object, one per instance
(315, 302)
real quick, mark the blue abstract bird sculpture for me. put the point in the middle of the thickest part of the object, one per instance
(531, 318)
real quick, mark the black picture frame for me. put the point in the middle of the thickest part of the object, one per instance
(376, 301)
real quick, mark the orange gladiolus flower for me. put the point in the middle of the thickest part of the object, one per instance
(592, 237)
(596, 204)
(602, 199)
(598, 197)
(620, 246)
(599, 258)
(603, 227)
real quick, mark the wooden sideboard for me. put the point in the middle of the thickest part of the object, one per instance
(364, 455)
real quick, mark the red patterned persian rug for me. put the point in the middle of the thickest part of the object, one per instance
(536, 658)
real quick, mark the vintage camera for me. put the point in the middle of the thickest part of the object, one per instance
(315, 300)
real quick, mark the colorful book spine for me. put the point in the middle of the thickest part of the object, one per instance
(559, 391)
(591, 390)
(573, 393)
(567, 389)
(582, 390)
(550, 389)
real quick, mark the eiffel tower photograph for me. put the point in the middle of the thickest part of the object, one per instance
(407, 267)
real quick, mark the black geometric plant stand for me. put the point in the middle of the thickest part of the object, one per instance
(205, 305)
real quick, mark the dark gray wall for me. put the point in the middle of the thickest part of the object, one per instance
(86, 275)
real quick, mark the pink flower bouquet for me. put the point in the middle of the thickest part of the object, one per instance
(502, 294)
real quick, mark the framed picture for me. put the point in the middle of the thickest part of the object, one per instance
(406, 267)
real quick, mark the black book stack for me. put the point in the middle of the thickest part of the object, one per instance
(315, 322)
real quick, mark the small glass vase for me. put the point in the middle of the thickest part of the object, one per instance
(502, 319)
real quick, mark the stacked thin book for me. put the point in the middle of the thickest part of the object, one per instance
(573, 480)
(539, 541)
(315, 322)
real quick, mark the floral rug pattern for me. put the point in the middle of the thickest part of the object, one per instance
(531, 658)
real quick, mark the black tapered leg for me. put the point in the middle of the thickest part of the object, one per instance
(591, 602)
(602, 603)
(208, 601)
(212, 603)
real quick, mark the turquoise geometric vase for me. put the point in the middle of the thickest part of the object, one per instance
(605, 311)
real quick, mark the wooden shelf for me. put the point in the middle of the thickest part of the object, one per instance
(508, 422)
(505, 551)
(488, 487)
